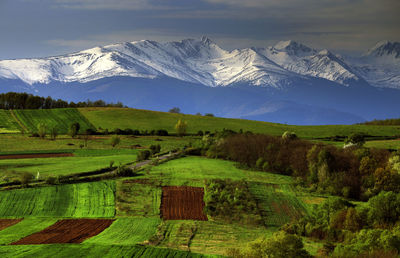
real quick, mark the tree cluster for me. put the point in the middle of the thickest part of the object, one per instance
(14, 100)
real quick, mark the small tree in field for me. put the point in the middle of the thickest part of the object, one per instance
(41, 130)
(115, 140)
(74, 129)
(53, 133)
(181, 127)
(175, 110)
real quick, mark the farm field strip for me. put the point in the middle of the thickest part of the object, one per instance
(82, 200)
(127, 231)
(7, 122)
(5, 223)
(92, 250)
(278, 204)
(24, 228)
(67, 231)
(182, 203)
(36, 155)
(137, 200)
(62, 118)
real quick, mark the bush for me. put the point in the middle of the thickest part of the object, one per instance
(53, 133)
(26, 178)
(41, 130)
(74, 129)
(181, 127)
(143, 155)
(162, 132)
(51, 180)
(155, 149)
(124, 171)
(115, 140)
(289, 135)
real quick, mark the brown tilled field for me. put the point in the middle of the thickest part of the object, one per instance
(67, 231)
(5, 223)
(36, 155)
(182, 203)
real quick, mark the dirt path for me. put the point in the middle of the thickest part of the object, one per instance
(5, 223)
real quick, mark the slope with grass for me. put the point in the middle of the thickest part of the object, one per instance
(61, 118)
(111, 118)
(71, 200)
(7, 122)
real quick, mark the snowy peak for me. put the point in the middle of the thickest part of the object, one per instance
(292, 48)
(385, 48)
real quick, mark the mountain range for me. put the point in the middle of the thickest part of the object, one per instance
(287, 83)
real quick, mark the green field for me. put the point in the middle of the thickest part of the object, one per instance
(85, 200)
(127, 231)
(122, 118)
(24, 228)
(8, 123)
(192, 171)
(84, 161)
(61, 118)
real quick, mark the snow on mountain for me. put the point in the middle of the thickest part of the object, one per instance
(203, 62)
(301, 59)
(380, 65)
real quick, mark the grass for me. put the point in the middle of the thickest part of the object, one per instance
(127, 231)
(22, 143)
(111, 118)
(85, 200)
(62, 118)
(91, 250)
(134, 199)
(278, 204)
(193, 171)
(24, 228)
(384, 144)
(8, 123)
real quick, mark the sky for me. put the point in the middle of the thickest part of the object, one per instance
(39, 28)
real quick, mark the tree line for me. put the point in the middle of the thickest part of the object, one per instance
(14, 100)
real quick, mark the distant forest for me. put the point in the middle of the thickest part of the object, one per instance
(14, 100)
(392, 121)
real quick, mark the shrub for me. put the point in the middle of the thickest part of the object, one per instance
(26, 178)
(53, 133)
(175, 110)
(124, 171)
(289, 135)
(162, 132)
(115, 140)
(181, 127)
(143, 155)
(74, 129)
(41, 130)
(155, 149)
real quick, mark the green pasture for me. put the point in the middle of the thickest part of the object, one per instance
(16, 143)
(7, 123)
(111, 118)
(84, 200)
(193, 171)
(127, 231)
(82, 162)
(62, 118)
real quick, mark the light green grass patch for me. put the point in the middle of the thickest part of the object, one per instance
(192, 171)
(85, 200)
(127, 231)
(24, 228)
(7, 123)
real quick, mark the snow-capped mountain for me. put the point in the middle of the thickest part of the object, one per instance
(380, 65)
(196, 61)
(301, 59)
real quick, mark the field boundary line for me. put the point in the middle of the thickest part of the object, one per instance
(23, 127)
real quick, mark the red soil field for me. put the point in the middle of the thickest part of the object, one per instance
(67, 231)
(182, 203)
(5, 223)
(36, 155)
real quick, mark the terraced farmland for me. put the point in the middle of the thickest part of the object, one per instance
(71, 200)
(61, 118)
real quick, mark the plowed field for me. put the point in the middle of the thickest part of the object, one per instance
(67, 231)
(5, 223)
(181, 203)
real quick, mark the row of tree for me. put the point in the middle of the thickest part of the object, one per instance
(14, 100)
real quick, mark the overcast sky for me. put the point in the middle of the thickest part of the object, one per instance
(38, 28)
